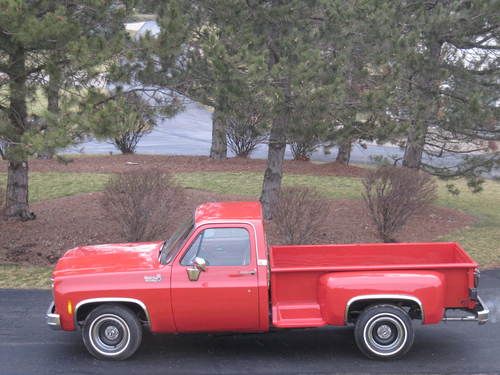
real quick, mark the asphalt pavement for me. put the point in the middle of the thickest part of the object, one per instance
(189, 132)
(28, 346)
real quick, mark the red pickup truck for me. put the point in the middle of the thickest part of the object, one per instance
(216, 274)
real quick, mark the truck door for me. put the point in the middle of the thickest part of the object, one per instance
(225, 296)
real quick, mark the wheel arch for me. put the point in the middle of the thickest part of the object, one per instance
(359, 303)
(84, 307)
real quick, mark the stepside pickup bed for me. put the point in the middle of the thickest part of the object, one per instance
(213, 276)
(334, 283)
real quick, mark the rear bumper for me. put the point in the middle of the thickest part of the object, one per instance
(53, 319)
(483, 312)
(480, 314)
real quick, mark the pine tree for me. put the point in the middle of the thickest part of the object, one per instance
(37, 39)
(446, 64)
(355, 32)
(274, 39)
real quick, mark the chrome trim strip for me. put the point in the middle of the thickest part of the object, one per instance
(262, 262)
(232, 222)
(111, 299)
(53, 319)
(400, 297)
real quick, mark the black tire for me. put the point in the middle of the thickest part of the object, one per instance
(112, 332)
(384, 332)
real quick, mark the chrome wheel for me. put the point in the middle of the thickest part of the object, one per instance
(384, 331)
(385, 334)
(109, 335)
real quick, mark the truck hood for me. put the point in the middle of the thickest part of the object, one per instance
(109, 258)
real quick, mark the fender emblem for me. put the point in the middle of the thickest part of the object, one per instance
(153, 279)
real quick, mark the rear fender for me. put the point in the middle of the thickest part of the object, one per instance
(342, 294)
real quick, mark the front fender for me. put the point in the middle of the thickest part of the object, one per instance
(337, 290)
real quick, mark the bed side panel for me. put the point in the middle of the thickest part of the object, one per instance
(336, 289)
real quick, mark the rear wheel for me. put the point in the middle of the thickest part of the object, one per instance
(384, 332)
(112, 332)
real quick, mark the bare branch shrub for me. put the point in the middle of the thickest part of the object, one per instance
(303, 149)
(245, 130)
(124, 120)
(393, 194)
(243, 137)
(300, 216)
(304, 140)
(2, 149)
(2, 200)
(142, 202)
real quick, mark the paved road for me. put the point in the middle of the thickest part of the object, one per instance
(28, 347)
(190, 133)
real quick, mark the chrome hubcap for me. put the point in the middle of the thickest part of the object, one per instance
(111, 332)
(385, 334)
(384, 331)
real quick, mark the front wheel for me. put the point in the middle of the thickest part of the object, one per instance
(384, 332)
(112, 332)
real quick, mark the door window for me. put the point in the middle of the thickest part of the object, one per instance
(220, 247)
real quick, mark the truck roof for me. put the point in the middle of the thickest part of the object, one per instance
(228, 211)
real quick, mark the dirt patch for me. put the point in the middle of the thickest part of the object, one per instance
(120, 163)
(71, 221)
(67, 222)
(349, 223)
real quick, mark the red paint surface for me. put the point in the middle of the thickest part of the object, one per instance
(222, 299)
(310, 285)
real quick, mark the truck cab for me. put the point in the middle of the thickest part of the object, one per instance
(219, 277)
(216, 274)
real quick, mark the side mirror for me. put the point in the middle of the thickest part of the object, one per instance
(199, 265)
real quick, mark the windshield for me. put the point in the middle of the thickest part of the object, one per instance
(171, 246)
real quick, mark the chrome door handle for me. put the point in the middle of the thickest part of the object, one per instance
(251, 272)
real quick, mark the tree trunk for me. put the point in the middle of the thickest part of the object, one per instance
(53, 88)
(17, 205)
(271, 186)
(218, 151)
(344, 153)
(17, 191)
(428, 95)
(53, 91)
(415, 143)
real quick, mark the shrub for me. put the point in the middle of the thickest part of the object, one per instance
(124, 121)
(304, 140)
(245, 133)
(142, 203)
(302, 150)
(393, 194)
(2, 200)
(300, 216)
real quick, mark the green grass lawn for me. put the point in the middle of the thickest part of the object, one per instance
(52, 185)
(13, 276)
(482, 240)
(45, 186)
(250, 184)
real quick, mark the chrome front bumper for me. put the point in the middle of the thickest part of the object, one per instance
(480, 314)
(53, 319)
